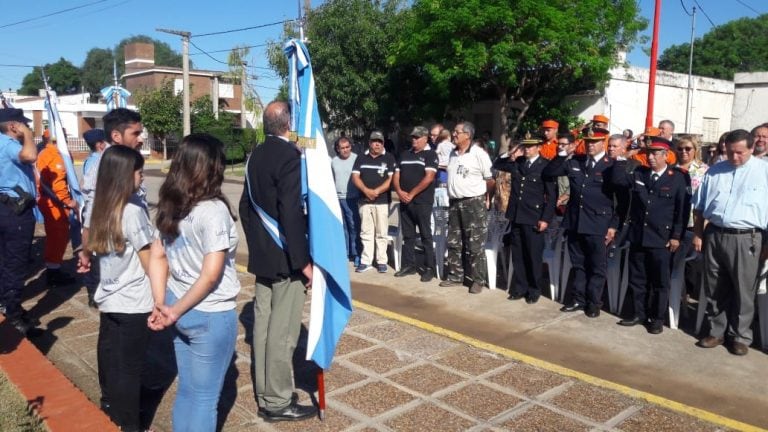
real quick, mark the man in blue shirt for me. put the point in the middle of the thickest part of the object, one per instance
(18, 154)
(731, 199)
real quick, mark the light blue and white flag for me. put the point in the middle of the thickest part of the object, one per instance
(57, 132)
(331, 304)
(114, 95)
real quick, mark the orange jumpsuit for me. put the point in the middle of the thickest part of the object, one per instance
(53, 174)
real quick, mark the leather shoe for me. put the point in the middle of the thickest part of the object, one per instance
(515, 296)
(710, 342)
(451, 283)
(592, 312)
(292, 412)
(532, 299)
(428, 275)
(631, 322)
(476, 288)
(572, 307)
(655, 327)
(406, 271)
(738, 348)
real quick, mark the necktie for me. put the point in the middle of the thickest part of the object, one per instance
(654, 179)
(527, 164)
(590, 164)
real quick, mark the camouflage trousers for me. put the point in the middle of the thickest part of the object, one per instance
(467, 230)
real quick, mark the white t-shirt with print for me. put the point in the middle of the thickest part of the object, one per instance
(467, 173)
(208, 228)
(123, 285)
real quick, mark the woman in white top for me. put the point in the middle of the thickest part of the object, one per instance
(121, 235)
(198, 239)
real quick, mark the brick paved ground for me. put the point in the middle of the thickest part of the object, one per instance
(387, 375)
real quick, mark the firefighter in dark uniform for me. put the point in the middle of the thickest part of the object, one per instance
(590, 219)
(657, 222)
(18, 154)
(530, 210)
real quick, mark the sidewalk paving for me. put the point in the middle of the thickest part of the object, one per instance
(387, 374)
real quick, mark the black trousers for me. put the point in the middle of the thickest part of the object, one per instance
(649, 279)
(589, 265)
(411, 216)
(16, 232)
(121, 351)
(527, 247)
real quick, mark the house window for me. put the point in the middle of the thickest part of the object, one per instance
(226, 91)
(178, 86)
(710, 129)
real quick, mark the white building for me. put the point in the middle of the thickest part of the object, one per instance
(749, 104)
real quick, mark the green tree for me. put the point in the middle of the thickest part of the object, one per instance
(63, 77)
(517, 52)
(737, 46)
(349, 42)
(97, 70)
(160, 111)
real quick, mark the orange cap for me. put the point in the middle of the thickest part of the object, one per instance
(47, 133)
(549, 124)
(599, 118)
(652, 131)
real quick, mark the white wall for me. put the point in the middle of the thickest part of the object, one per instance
(750, 107)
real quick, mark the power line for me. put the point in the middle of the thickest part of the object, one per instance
(704, 12)
(51, 14)
(748, 6)
(206, 53)
(18, 65)
(682, 3)
(230, 49)
(244, 28)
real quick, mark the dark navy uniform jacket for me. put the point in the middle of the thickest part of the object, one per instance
(658, 210)
(531, 197)
(591, 206)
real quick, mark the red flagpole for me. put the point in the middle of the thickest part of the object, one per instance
(654, 57)
(321, 394)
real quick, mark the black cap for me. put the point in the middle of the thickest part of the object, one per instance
(13, 114)
(93, 136)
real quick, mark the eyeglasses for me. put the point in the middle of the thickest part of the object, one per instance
(685, 149)
(456, 132)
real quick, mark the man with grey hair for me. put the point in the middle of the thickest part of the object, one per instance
(469, 179)
(617, 147)
(666, 129)
(271, 201)
(760, 138)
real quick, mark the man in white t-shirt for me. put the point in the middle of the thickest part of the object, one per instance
(469, 179)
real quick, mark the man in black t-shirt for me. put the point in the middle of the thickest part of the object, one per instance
(414, 184)
(372, 174)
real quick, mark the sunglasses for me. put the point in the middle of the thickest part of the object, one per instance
(685, 149)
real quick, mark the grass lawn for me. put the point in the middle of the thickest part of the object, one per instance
(14, 416)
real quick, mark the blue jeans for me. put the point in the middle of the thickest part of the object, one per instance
(351, 217)
(204, 345)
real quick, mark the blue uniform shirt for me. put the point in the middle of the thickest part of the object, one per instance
(733, 197)
(88, 163)
(12, 171)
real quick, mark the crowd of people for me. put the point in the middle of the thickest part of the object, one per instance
(177, 272)
(668, 198)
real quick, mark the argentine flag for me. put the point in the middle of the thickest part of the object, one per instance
(57, 131)
(331, 296)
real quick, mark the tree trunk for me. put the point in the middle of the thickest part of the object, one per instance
(504, 115)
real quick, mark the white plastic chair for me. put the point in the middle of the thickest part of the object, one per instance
(553, 257)
(395, 234)
(440, 237)
(617, 278)
(677, 278)
(498, 226)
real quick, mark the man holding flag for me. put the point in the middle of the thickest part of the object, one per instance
(275, 226)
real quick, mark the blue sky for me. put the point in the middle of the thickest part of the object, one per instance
(103, 23)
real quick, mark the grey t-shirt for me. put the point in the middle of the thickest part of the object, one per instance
(208, 228)
(124, 286)
(342, 175)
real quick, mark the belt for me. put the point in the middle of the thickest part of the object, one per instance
(465, 199)
(725, 230)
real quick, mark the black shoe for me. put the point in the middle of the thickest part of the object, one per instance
(292, 412)
(592, 312)
(630, 322)
(532, 299)
(572, 307)
(451, 283)
(655, 327)
(515, 296)
(58, 277)
(428, 275)
(405, 271)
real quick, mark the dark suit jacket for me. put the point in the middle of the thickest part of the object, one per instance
(658, 211)
(274, 173)
(591, 205)
(531, 197)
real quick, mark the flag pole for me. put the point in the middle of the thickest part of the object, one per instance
(321, 393)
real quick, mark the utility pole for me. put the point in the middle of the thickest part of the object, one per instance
(688, 119)
(654, 57)
(243, 78)
(185, 35)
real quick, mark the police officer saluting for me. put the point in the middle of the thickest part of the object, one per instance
(656, 225)
(530, 210)
(18, 154)
(590, 219)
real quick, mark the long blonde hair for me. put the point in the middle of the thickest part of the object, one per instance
(114, 187)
